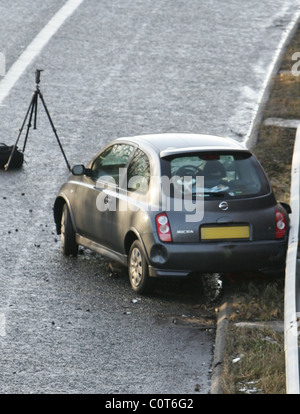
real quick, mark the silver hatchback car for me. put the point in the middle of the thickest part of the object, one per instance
(174, 205)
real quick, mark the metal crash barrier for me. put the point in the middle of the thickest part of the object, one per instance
(292, 275)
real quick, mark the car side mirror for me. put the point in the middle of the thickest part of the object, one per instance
(81, 170)
(78, 170)
(287, 207)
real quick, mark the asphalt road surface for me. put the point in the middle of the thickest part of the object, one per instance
(114, 68)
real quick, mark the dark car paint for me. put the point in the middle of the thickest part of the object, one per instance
(111, 232)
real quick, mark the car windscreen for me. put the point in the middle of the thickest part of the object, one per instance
(225, 174)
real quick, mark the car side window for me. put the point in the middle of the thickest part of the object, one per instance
(109, 162)
(138, 173)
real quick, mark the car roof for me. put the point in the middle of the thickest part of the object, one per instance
(172, 143)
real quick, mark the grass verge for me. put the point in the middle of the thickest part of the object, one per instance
(254, 358)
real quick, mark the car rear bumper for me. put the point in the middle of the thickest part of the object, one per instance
(185, 259)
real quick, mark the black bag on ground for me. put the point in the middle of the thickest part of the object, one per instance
(5, 152)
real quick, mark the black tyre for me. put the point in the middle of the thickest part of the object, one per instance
(69, 246)
(138, 269)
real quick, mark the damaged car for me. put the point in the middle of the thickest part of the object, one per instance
(174, 205)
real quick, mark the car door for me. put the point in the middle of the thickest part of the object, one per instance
(98, 193)
(131, 197)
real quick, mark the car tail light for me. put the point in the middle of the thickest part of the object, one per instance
(163, 227)
(280, 225)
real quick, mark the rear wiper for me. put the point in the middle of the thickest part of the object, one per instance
(215, 194)
(209, 194)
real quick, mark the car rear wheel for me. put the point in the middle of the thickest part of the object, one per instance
(138, 269)
(69, 246)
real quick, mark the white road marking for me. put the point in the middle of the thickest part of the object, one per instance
(35, 47)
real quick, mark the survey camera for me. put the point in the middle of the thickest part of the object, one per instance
(38, 75)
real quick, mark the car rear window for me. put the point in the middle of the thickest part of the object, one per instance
(226, 174)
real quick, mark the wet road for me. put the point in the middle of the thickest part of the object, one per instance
(115, 69)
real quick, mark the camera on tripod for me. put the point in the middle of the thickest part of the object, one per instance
(38, 75)
(32, 111)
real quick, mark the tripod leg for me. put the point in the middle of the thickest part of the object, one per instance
(33, 110)
(54, 130)
(30, 110)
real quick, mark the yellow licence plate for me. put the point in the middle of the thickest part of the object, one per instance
(228, 232)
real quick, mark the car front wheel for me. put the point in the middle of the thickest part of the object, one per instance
(138, 269)
(69, 246)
